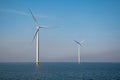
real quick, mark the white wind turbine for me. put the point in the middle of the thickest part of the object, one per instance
(37, 36)
(79, 45)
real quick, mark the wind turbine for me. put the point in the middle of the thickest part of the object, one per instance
(37, 36)
(79, 45)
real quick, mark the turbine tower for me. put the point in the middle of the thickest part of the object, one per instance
(79, 45)
(37, 36)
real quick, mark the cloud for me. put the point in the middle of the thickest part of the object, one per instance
(20, 13)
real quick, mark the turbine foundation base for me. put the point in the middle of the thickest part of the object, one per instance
(37, 62)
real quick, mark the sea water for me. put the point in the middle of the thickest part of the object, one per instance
(59, 71)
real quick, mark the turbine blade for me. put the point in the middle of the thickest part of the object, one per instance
(48, 27)
(77, 42)
(82, 41)
(35, 34)
(35, 21)
(43, 26)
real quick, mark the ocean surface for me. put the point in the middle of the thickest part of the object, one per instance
(60, 71)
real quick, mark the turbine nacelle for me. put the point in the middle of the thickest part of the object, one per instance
(42, 27)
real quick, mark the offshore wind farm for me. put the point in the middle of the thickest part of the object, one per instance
(59, 53)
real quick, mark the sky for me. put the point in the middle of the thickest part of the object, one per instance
(95, 21)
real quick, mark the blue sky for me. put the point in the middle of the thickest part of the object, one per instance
(95, 21)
